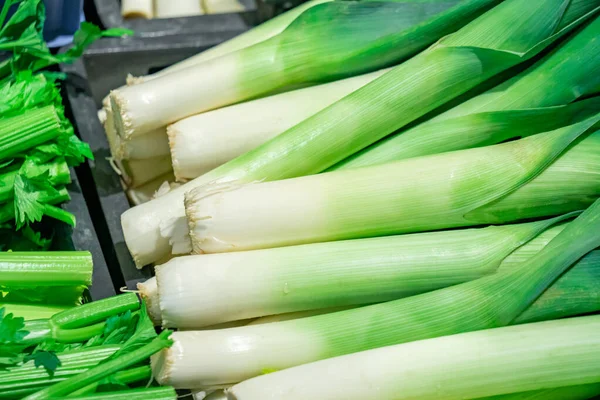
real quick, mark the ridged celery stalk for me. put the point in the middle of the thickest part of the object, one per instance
(324, 275)
(363, 37)
(204, 358)
(461, 188)
(137, 9)
(451, 67)
(31, 311)
(155, 393)
(45, 277)
(179, 8)
(57, 170)
(17, 382)
(205, 141)
(469, 365)
(22, 132)
(564, 76)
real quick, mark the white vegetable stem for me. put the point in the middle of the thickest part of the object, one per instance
(151, 190)
(149, 293)
(222, 6)
(196, 291)
(137, 9)
(205, 141)
(469, 365)
(177, 8)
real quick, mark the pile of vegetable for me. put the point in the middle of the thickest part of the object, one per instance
(374, 200)
(53, 342)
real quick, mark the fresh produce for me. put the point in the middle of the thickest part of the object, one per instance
(370, 113)
(484, 363)
(71, 342)
(325, 275)
(222, 6)
(37, 142)
(203, 142)
(534, 101)
(217, 357)
(179, 8)
(366, 36)
(137, 8)
(456, 189)
(519, 107)
(51, 278)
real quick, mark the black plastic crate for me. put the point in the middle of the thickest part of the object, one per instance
(107, 63)
(102, 186)
(109, 15)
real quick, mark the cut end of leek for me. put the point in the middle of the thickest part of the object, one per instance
(172, 134)
(149, 293)
(123, 124)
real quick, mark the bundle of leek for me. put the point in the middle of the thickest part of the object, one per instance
(534, 101)
(454, 65)
(208, 358)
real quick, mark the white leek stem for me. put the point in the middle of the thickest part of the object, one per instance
(136, 173)
(151, 190)
(197, 291)
(177, 8)
(149, 293)
(222, 6)
(464, 366)
(137, 9)
(205, 141)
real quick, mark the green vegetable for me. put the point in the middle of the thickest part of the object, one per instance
(532, 102)
(31, 311)
(204, 358)
(325, 275)
(45, 277)
(163, 393)
(328, 41)
(448, 190)
(457, 63)
(465, 366)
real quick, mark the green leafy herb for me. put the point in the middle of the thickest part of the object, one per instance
(46, 359)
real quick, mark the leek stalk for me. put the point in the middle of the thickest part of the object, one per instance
(325, 275)
(562, 77)
(205, 358)
(203, 142)
(179, 8)
(456, 189)
(486, 363)
(451, 67)
(366, 36)
(137, 9)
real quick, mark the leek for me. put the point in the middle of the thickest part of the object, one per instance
(461, 188)
(439, 74)
(149, 293)
(222, 6)
(486, 363)
(564, 76)
(137, 8)
(353, 272)
(205, 141)
(366, 36)
(204, 358)
(152, 189)
(136, 173)
(580, 392)
(56, 278)
(179, 8)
